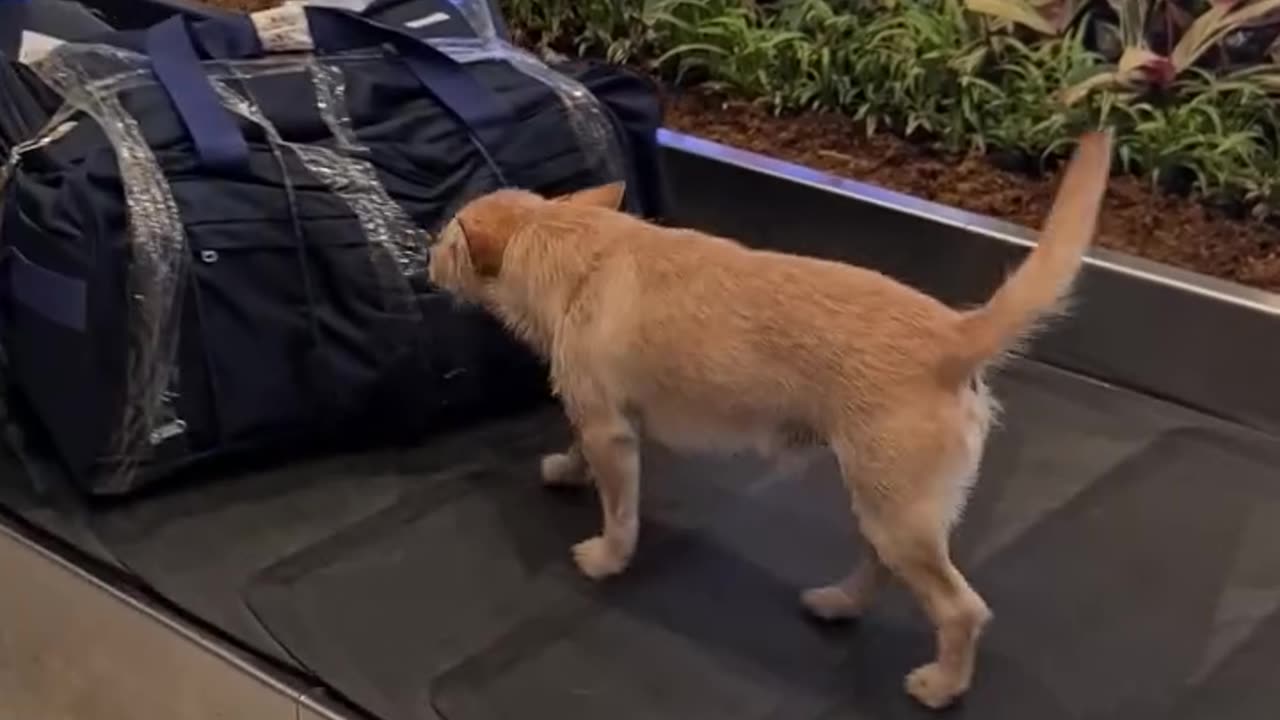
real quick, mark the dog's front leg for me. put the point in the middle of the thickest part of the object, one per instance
(610, 447)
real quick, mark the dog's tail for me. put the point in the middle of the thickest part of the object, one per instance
(1039, 285)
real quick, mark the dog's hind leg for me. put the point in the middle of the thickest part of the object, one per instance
(918, 556)
(905, 497)
(850, 597)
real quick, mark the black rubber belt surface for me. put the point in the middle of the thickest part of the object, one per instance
(1127, 546)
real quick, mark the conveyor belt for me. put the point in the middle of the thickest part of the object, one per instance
(1127, 546)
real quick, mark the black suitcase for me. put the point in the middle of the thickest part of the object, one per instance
(211, 248)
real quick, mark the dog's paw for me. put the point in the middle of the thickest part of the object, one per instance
(831, 603)
(597, 559)
(563, 470)
(933, 686)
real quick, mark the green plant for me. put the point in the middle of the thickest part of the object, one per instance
(739, 50)
(1025, 116)
(971, 75)
(1142, 68)
(919, 72)
(1047, 17)
(621, 31)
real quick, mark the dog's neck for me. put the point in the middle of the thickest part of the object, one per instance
(540, 283)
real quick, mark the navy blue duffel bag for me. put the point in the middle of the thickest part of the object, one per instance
(213, 233)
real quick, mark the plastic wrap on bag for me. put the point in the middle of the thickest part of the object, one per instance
(586, 118)
(393, 230)
(57, 126)
(479, 15)
(84, 76)
(397, 247)
(91, 79)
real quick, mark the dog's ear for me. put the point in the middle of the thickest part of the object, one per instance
(486, 230)
(608, 196)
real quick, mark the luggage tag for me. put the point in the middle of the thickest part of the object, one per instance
(36, 45)
(283, 29)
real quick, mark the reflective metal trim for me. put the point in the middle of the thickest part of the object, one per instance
(317, 705)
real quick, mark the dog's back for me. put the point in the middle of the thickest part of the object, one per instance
(714, 344)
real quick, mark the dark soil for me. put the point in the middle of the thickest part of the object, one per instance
(1137, 219)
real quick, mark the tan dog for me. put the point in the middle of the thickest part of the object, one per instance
(702, 343)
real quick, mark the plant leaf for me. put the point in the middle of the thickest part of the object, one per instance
(1214, 24)
(1018, 11)
(690, 48)
(1133, 21)
(1103, 78)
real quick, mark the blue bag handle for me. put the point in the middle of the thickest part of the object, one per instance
(219, 143)
(177, 45)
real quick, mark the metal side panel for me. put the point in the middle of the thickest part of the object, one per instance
(73, 649)
(1199, 341)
